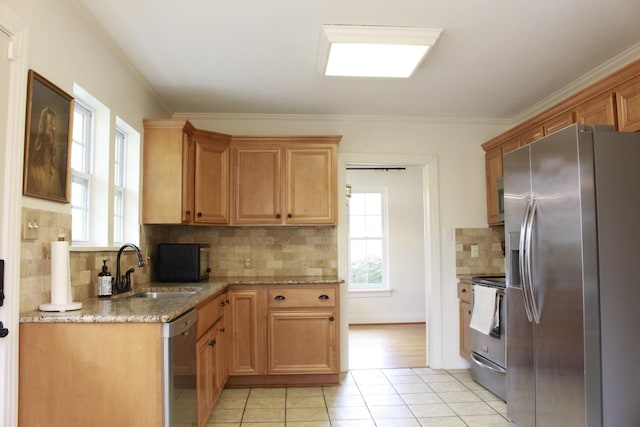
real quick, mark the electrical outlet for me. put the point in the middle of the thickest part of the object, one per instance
(474, 251)
(247, 262)
(31, 226)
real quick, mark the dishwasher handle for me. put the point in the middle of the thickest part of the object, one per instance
(180, 325)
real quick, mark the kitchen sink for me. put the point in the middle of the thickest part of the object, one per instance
(167, 294)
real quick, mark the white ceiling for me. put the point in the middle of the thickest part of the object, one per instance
(494, 60)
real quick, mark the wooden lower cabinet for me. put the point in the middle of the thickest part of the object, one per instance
(284, 335)
(210, 363)
(90, 374)
(464, 296)
(302, 342)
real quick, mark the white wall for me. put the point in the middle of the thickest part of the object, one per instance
(461, 180)
(66, 47)
(406, 302)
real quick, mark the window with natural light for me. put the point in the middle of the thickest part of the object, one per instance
(105, 177)
(81, 155)
(119, 187)
(367, 240)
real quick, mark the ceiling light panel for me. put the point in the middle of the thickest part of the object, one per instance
(368, 51)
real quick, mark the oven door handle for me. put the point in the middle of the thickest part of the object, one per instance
(484, 364)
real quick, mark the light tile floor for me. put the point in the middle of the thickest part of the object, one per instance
(367, 398)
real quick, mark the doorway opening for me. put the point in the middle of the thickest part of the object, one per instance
(394, 325)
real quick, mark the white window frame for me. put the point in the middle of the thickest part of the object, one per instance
(102, 187)
(83, 175)
(119, 185)
(383, 289)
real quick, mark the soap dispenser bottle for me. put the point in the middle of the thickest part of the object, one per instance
(105, 281)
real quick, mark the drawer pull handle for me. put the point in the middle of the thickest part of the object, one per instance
(323, 297)
(212, 343)
(222, 304)
(222, 330)
(463, 291)
(331, 319)
(279, 298)
(278, 216)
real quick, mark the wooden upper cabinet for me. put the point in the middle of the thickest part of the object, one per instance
(600, 110)
(628, 102)
(168, 171)
(211, 182)
(558, 122)
(284, 180)
(493, 164)
(311, 185)
(529, 136)
(256, 183)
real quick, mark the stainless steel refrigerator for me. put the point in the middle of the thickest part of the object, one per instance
(572, 228)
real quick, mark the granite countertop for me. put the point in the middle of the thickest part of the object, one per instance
(123, 308)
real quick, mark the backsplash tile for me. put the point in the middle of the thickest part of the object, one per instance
(490, 259)
(272, 251)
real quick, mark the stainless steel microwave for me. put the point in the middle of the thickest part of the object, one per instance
(182, 262)
(500, 192)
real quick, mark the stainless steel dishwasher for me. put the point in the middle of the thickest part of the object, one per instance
(179, 373)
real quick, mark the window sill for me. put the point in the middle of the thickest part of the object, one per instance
(370, 293)
(89, 248)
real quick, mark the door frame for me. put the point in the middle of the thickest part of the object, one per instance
(13, 146)
(429, 165)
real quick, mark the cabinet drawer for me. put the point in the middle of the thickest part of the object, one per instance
(318, 297)
(209, 313)
(464, 291)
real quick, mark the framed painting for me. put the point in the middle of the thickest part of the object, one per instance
(47, 150)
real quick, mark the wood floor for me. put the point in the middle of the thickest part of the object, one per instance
(387, 346)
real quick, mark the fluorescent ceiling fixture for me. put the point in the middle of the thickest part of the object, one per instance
(367, 51)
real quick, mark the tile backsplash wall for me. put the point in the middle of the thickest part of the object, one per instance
(490, 259)
(261, 251)
(235, 252)
(35, 263)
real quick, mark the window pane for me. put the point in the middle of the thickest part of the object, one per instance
(374, 203)
(373, 226)
(357, 226)
(357, 203)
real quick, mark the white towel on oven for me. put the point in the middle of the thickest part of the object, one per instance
(485, 315)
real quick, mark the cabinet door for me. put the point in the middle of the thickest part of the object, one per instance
(211, 178)
(465, 319)
(204, 378)
(247, 354)
(597, 111)
(529, 136)
(493, 164)
(310, 186)
(302, 342)
(558, 122)
(167, 172)
(628, 101)
(257, 185)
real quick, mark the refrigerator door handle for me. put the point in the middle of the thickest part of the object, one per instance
(529, 259)
(522, 246)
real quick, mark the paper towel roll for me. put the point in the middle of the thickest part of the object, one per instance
(60, 279)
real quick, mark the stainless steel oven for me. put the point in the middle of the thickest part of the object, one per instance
(488, 351)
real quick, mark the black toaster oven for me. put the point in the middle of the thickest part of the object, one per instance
(182, 262)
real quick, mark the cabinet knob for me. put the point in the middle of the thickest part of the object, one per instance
(289, 215)
(279, 298)
(323, 297)
(463, 291)
(221, 329)
(188, 213)
(222, 304)
(331, 319)
(212, 343)
(199, 214)
(278, 215)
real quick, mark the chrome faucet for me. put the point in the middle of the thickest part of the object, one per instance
(123, 283)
